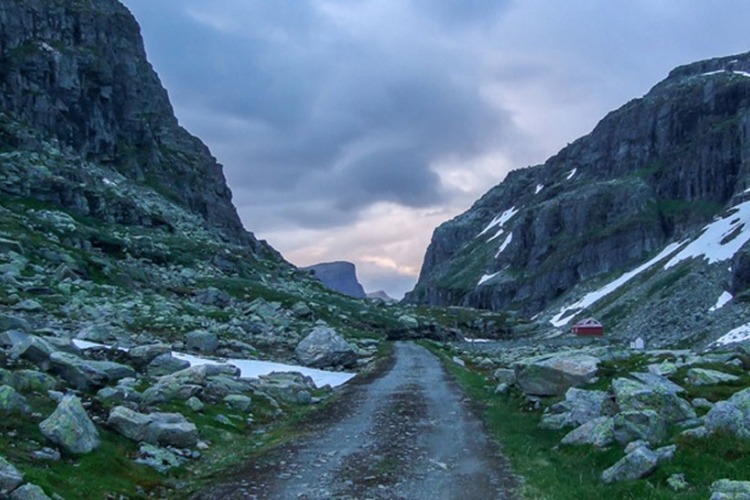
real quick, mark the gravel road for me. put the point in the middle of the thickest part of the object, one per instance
(409, 434)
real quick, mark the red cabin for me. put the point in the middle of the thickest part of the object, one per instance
(589, 327)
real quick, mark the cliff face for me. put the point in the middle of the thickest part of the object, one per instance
(75, 71)
(340, 277)
(652, 172)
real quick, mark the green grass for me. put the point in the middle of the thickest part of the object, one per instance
(553, 471)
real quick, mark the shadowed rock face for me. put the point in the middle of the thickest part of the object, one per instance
(651, 172)
(76, 71)
(340, 277)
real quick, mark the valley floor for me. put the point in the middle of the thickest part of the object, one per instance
(408, 434)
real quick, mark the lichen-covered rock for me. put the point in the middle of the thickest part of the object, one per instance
(324, 347)
(166, 429)
(636, 425)
(29, 492)
(195, 404)
(598, 432)
(70, 427)
(11, 402)
(725, 489)
(85, 374)
(554, 375)
(166, 364)
(637, 464)
(631, 395)
(10, 477)
(201, 341)
(238, 402)
(732, 415)
(284, 386)
(701, 376)
(579, 407)
(141, 356)
(505, 376)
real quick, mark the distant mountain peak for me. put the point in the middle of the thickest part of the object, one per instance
(340, 276)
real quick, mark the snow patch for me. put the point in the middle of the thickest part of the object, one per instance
(567, 313)
(504, 245)
(571, 174)
(737, 335)
(722, 301)
(497, 235)
(720, 71)
(500, 220)
(478, 341)
(484, 279)
(539, 188)
(249, 368)
(109, 182)
(713, 244)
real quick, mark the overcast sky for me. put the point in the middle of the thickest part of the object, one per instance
(349, 129)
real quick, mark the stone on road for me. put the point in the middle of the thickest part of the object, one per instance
(409, 434)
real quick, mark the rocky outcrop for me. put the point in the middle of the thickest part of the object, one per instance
(77, 72)
(653, 171)
(339, 276)
(324, 347)
(70, 427)
(554, 375)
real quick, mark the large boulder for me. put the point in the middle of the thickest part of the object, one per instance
(11, 402)
(28, 380)
(70, 427)
(165, 429)
(644, 425)
(579, 407)
(637, 464)
(554, 375)
(324, 347)
(284, 386)
(165, 364)
(85, 374)
(701, 376)
(29, 492)
(598, 432)
(732, 415)
(201, 341)
(143, 355)
(10, 477)
(631, 395)
(725, 489)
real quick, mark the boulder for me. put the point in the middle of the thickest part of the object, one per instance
(701, 376)
(195, 404)
(8, 322)
(28, 380)
(164, 392)
(505, 376)
(637, 464)
(165, 364)
(238, 402)
(554, 375)
(284, 386)
(324, 347)
(11, 402)
(143, 355)
(579, 407)
(35, 349)
(732, 415)
(85, 374)
(10, 477)
(70, 427)
(29, 492)
(201, 341)
(408, 322)
(725, 489)
(665, 452)
(301, 310)
(631, 395)
(636, 425)
(598, 432)
(165, 429)
(118, 395)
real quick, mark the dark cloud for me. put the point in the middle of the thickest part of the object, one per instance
(291, 94)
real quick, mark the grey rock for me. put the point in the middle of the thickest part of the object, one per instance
(158, 458)
(166, 364)
(212, 297)
(284, 386)
(598, 432)
(633, 445)
(29, 492)
(195, 404)
(554, 375)
(665, 452)
(301, 310)
(637, 396)
(579, 407)
(9, 322)
(141, 356)
(701, 376)
(87, 375)
(11, 402)
(635, 465)
(338, 276)
(304, 397)
(644, 425)
(677, 482)
(201, 341)
(409, 322)
(166, 429)
(48, 454)
(28, 380)
(10, 477)
(726, 489)
(119, 395)
(505, 375)
(732, 415)
(324, 347)
(702, 403)
(70, 427)
(238, 402)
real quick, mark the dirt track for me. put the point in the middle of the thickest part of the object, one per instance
(408, 434)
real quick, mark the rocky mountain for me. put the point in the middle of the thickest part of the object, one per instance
(562, 238)
(75, 74)
(339, 276)
(381, 295)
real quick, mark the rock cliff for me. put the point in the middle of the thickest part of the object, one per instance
(75, 72)
(650, 173)
(340, 277)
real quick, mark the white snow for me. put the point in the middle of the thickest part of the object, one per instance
(539, 188)
(484, 279)
(497, 235)
(500, 220)
(709, 243)
(504, 245)
(478, 341)
(723, 299)
(720, 71)
(571, 174)
(109, 182)
(560, 319)
(737, 335)
(250, 368)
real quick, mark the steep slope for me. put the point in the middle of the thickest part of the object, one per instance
(339, 276)
(76, 72)
(651, 173)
